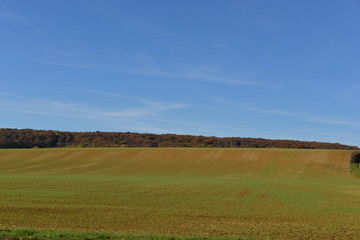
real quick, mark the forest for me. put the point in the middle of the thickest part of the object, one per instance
(29, 138)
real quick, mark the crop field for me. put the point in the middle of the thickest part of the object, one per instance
(182, 192)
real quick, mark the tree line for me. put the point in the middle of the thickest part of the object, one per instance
(29, 138)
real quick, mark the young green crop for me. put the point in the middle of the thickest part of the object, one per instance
(215, 193)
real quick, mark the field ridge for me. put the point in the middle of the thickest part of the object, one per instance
(28, 138)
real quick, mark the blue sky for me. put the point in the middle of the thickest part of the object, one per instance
(248, 68)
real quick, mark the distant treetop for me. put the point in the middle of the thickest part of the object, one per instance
(29, 138)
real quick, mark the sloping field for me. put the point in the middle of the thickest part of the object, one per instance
(233, 193)
(224, 163)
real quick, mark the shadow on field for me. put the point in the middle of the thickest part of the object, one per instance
(354, 164)
(33, 234)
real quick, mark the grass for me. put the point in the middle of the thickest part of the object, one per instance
(186, 193)
(32, 234)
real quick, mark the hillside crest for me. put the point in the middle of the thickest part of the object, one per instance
(29, 138)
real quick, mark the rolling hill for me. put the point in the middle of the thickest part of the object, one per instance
(182, 192)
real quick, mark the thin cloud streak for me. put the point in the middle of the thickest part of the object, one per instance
(305, 117)
(153, 106)
(89, 66)
(335, 121)
(250, 107)
(142, 112)
(62, 52)
(193, 74)
(148, 102)
(78, 110)
(132, 119)
(218, 44)
(8, 15)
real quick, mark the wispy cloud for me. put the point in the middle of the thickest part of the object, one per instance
(147, 26)
(335, 121)
(252, 107)
(218, 44)
(62, 52)
(142, 112)
(200, 73)
(264, 57)
(24, 20)
(160, 106)
(299, 115)
(144, 118)
(266, 24)
(76, 64)
(349, 94)
(197, 74)
(81, 110)
(150, 28)
(8, 15)
(141, 119)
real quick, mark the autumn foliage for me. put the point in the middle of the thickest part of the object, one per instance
(28, 138)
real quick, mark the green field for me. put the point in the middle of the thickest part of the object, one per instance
(214, 193)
